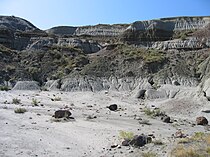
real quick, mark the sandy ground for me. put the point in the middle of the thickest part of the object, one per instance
(34, 133)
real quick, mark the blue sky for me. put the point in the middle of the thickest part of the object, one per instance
(48, 13)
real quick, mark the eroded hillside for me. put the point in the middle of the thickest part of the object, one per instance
(164, 49)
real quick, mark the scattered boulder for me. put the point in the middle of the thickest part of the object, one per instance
(201, 121)
(112, 107)
(89, 117)
(125, 142)
(114, 145)
(141, 94)
(166, 119)
(137, 141)
(62, 114)
(179, 134)
(176, 83)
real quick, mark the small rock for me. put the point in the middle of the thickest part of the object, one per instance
(166, 119)
(151, 135)
(91, 117)
(62, 114)
(114, 145)
(141, 94)
(66, 106)
(176, 83)
(180, 134)
(113, 107)
(125, 142)
(201, 121)
(138, 118)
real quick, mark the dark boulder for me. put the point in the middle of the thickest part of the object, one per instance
(166, 119)
(176, 83)
(112, 107)
(141, 94)
(137, 141)
(201, 121)
(140, 140)
(62, 114)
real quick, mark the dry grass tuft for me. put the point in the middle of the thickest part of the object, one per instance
(126, 135)
(16, 101)
(20, 110)
(196, 146)
(149, 154)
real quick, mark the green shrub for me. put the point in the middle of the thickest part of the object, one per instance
(20, 110)
(35, 102)
(149, 154)
(208, 150)
(153, 113)
(16, 101)
(126, 135)
(198, 136)
(4, 88)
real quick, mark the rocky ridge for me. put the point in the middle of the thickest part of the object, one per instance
(89, 57)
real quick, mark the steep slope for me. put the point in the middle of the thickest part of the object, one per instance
(163, 50)
(16, 32)
(16, 24)
(163, 29)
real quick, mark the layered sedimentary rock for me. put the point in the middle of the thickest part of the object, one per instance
(171, 24)
(101, 30)
(16, 32)
(188, 44)
(94, 84)
(163, 29)
(26, 85)
(41, 42)
(95, 30)
(62, 30)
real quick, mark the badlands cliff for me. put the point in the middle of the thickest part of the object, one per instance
(165, 50)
